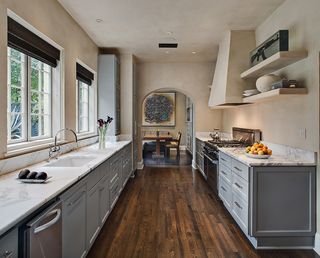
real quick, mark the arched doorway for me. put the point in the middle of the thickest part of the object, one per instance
(157, 128)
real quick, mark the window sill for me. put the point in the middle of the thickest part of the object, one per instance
(27, 147)
(82, 136)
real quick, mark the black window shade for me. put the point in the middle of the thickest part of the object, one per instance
(31, 44)
(84, 74)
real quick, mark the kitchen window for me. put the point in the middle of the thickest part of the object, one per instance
(32, 67)
(29, 98)
(85, 100)
(83, 107)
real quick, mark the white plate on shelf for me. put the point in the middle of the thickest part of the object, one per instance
(34, 181)
(251, 92)
(256, 156)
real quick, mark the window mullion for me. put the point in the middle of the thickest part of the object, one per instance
(28, 89)
(24, 96)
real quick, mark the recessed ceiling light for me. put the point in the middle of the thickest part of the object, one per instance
(194, 52)
(167, 52)
(99, 20)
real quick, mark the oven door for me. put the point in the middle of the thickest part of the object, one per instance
(211, 171)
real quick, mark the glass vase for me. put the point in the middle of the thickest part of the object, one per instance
(102, 139)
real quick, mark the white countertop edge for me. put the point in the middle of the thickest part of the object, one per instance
(274, 160)
(26, 213)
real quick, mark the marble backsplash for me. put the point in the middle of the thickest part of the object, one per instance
(24, 160)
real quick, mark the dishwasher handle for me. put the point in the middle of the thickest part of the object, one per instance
(51, 222)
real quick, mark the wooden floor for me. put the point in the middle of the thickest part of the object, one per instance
(184, 159)
(170, 212)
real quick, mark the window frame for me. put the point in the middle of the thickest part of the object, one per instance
(35, 138)
(93, 105)
(57, 99)
(24, 97)
(79, 102)
(26, 87)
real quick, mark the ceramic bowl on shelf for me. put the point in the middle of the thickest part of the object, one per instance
(264, 83)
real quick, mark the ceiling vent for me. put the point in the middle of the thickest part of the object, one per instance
(168, 45)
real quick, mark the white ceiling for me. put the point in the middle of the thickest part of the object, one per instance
(137, 26)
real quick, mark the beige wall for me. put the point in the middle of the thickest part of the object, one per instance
(281, 120)
(180, 119)
(51, 19)
(126, 78)
(191, 79)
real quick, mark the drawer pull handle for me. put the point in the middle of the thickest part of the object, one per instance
(238, 205)
(239, 186)
(223, 159)
(224, 189)
(7, 254)
(238, 169)
(224, 172)
(75, 201)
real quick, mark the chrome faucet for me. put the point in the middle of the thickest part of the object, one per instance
(55, 147)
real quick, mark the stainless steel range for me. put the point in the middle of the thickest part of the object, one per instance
(241, 138)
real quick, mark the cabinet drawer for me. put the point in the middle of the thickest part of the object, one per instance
(224, 159)
(225, 172)
(115, 167)
(9, 244)
(240, 186)
(114, 191)
(240, 212)
(240, 169)
(225, 193)
(77, 188)
(95, 175)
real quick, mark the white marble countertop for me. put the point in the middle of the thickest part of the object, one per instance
(274, 160)
(204, 138)
(18, 200)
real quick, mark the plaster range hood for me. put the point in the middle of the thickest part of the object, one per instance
(233, 58)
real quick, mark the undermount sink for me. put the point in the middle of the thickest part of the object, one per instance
(74, 161)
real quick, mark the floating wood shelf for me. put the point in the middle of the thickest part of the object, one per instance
(274, 63)
(273, 94)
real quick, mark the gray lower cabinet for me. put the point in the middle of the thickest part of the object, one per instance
(126, 164)
(93, 214)
(86, 205)
(283, 202)
(273, 205)
(9, 244)
(199, 155)
(104, 199)
(115, 189)
(74, 222)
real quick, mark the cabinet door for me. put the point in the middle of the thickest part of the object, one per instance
(9, 244)
(74, 224)
(114, 192)
(104, 199)
(93, 215)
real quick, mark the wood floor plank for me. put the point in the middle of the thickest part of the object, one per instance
(171, 212)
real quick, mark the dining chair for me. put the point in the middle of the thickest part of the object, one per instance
(174, 144)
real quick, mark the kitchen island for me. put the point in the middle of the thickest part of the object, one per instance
(272, 200)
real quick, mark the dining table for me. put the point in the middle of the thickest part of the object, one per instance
(158, 139)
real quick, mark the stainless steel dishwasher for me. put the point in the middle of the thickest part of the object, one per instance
(44, 233)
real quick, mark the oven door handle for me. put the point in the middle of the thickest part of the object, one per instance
(213, 161)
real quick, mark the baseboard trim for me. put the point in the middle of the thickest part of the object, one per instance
(140, 165)
(317, 243)
(183, 147)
